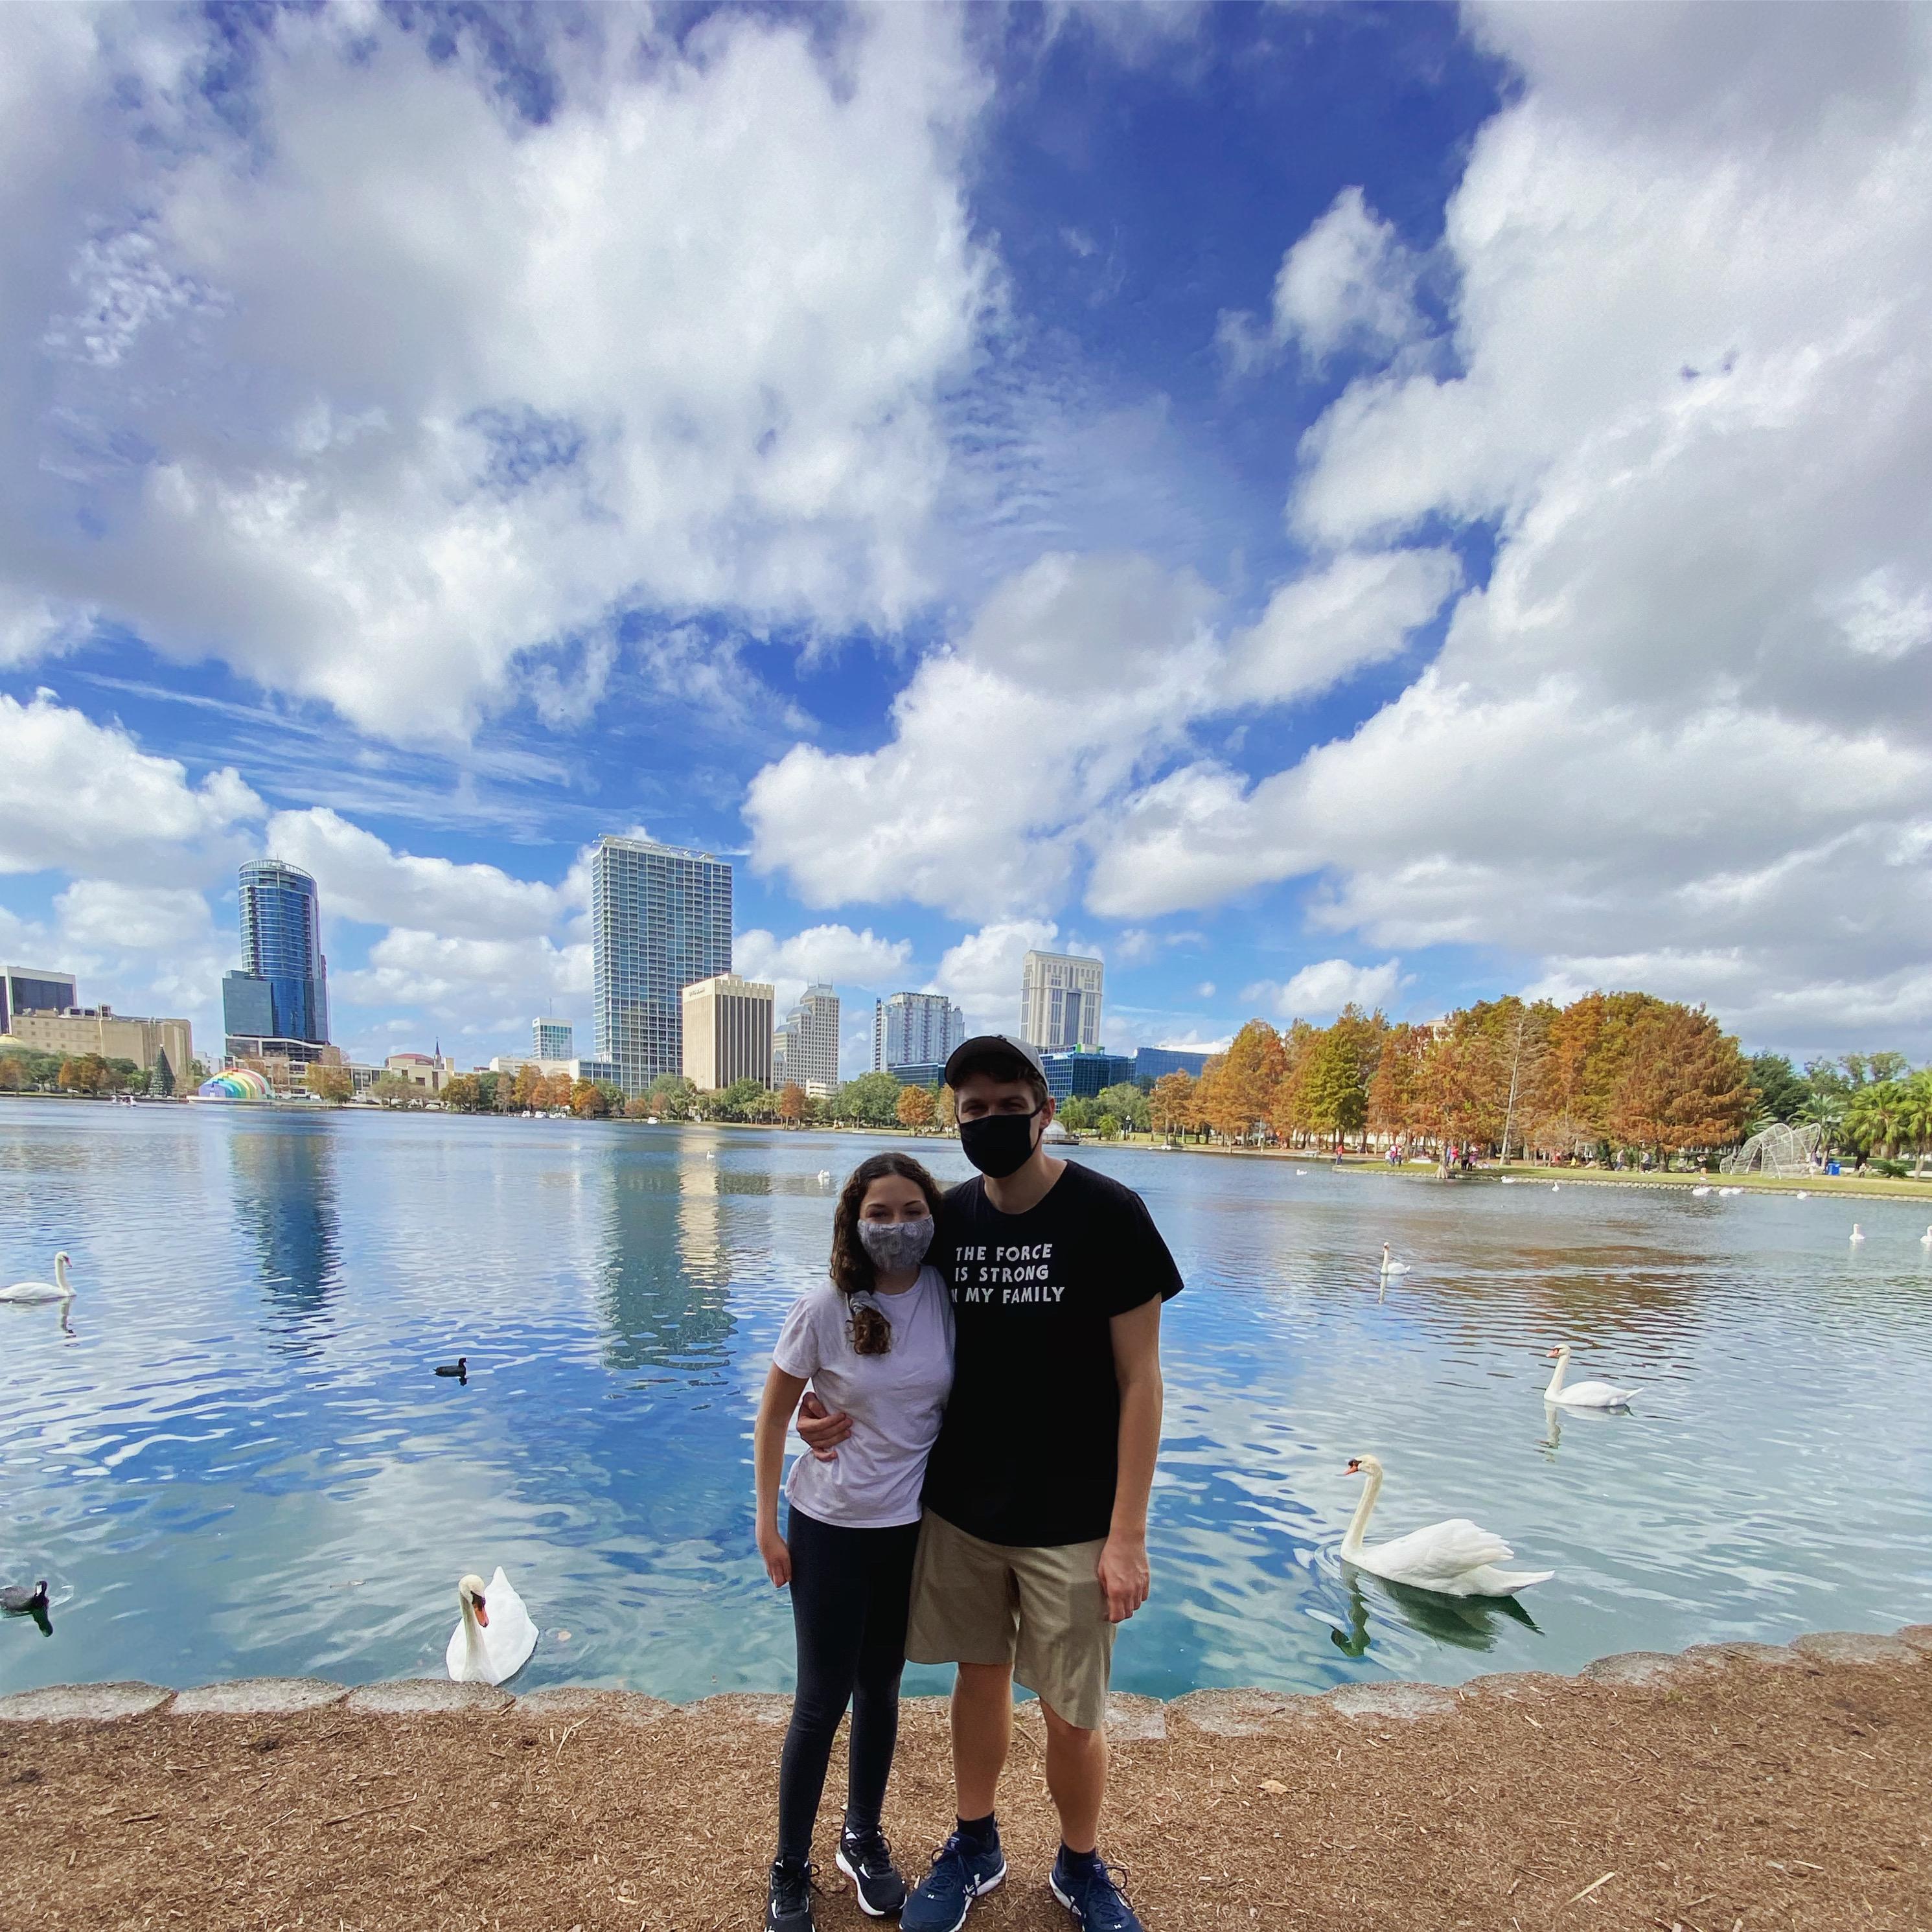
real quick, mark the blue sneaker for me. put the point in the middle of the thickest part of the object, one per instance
(962, 1872)
(1091, 1892)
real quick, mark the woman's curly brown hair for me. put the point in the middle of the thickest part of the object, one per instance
(852, 1271)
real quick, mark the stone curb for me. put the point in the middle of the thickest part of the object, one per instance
(257, 1697)
(1130, 1719)
(66, 1703)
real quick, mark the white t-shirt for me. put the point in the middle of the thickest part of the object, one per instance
(896, 1401)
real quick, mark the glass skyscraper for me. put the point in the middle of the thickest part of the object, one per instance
(915, 1030)
(278, 1005)
(551, 1039)
(661, 920)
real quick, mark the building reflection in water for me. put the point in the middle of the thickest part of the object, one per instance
(285, 1201)
(666, 1276)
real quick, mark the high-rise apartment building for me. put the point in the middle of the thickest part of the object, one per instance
(727, 1032)
(915, 1029)
(551, 1039)
(1060, 1002)
(277, 1006)
(27, 989)
(660, 919)
(806, 1049)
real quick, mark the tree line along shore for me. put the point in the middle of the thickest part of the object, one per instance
(1610, 1079)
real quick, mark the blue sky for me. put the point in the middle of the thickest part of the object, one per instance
(1403, 504)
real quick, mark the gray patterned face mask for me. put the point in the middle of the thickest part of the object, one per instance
(896, 1245)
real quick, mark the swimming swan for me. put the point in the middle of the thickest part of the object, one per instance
(1454, 1557)
(1857, 1233)
(1925, 1239)
(1582, 1395)
(496, 1637)
(1389, 1266)
(59, 1289)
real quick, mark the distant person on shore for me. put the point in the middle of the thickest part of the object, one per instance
(875, 1342)
(1033, 1548)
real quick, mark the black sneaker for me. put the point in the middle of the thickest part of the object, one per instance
(788, 1903)
(866, 1859)
(962, 1872)
(1092, 1892)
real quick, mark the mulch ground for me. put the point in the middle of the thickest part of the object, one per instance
(1750, 1796)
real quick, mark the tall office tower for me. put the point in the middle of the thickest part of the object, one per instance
(727, 1032)
(915, 1030)
(806, 1049)
(25, 989)
(660, 919)
(277, 1006)
(550, 1039)
(1060, 1001)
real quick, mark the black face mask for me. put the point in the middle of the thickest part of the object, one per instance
(999, 1143)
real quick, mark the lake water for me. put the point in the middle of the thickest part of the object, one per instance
(239, 1463)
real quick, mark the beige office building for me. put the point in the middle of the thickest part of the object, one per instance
(727, 1031)
(1060, 1002)
(100, 1030)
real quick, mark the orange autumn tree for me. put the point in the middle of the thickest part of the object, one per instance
(1239, 1085)
(1394, 1098)
(1174, 1105)
(1684, 1083)
(915, 1107)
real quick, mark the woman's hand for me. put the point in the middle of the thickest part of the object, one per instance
(777, 1558)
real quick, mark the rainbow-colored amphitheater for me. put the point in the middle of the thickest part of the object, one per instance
(242, 1083)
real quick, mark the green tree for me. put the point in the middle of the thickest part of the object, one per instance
(872, 1100)
(1075, 1115)
(1782, 1091)
(671, 1097)
(334, 1084)
(1128, 1104)
(392, 1089)
(738, 1100)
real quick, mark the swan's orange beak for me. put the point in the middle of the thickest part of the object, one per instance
(482, 1614)
(1354, 1466)
(1552, 1354)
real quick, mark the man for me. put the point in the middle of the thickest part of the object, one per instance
(1033, 1545)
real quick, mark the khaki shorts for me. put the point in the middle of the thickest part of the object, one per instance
(1039, 1609)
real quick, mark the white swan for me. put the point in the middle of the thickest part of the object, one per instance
(1454, 1557)
(496, 1637)
(1582, 1395)
(59, 1289)
(1698, 1192)
(1925, 1239)
(1857, 1233)
(1389, 1264)
(824, 1176)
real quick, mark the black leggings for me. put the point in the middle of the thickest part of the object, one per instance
(850, 1592)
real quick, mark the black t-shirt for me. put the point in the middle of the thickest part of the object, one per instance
(1029, 1449)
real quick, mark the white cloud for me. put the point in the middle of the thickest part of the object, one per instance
(834, 956)
(1685, 721)
(81, 796)
(982, 972)
(102, 914)
(369, 388)
(1319, 991)
(1073, 671)
(1348, 283)
(1359, 609)
(360, 878)
(468, 982)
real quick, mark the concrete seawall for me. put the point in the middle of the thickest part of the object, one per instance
(1735, 1786)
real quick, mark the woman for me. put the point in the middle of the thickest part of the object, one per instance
(875, 1341)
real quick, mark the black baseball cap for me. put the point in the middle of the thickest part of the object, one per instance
(970, 1057)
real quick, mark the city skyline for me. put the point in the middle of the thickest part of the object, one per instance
(1158, 495)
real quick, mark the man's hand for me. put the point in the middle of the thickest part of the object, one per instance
(824, 1428)
(1123, 1575)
